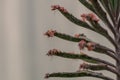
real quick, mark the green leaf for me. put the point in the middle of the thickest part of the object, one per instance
(106, 5)
(102, 15)
(114, 3)
(71, 38)
(98, 28)
(76, 21)
(97, 67)
(73, 19)
(99, 47)
(81, 56)
(87, 5)
(78, 74)
(117, 9)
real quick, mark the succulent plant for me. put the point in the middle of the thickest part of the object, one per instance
(106, 11)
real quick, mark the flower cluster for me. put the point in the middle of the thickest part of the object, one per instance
(52, 52)
(50, 33)
(82, 44)
(83, 66)
(90, 16)
(47, 75)
(79, 35)
(54, 7)
(90, 45)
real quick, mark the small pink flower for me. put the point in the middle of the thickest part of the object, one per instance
(83, 66)
(83, 17)
(54, 7)
(55, 51)
(52, 52)
(77, 35)
(90, 46)
(93, 17)
(90, 15)
(82, 44)
(63, 9)
(50, 33)
(46, 75)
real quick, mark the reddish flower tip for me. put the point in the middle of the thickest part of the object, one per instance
(54, 7)
(91, 46)
(46, 75)
(89, 16)
(52, 52)
(82, 44)
(77, 35)
(93, 17)
(83, 66)
(63, 9)
(50, 33)
(83, 17)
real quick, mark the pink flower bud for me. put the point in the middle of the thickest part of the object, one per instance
(52, 52)
(50, 33)
(63, 9)
(83, 17)
(82, 66)
(90, 46)
(93, 17)
(82, 44)
(90, 15)
(47, 75)
(54, 7)
(77, 35)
